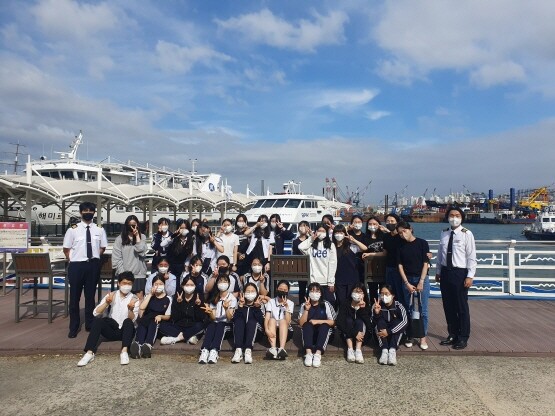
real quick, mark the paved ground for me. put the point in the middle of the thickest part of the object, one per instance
(176, 384)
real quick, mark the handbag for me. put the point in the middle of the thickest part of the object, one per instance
(416, 323)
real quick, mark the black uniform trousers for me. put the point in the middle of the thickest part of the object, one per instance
(82, 275)
(109, 329)
(455, 302)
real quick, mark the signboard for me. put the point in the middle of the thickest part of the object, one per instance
(14, 237)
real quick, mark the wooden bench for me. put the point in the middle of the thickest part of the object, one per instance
(290, 268)
(374, 269)
(35, 266)
(106, 273)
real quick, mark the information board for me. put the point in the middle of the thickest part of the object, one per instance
(14, 237)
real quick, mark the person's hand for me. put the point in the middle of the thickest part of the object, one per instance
(283, 301)
(258, 302)
(241, 257)
(364, 255)
(197, 301)
(135, 230)
(331, 288)
(430, 255)
(152, 291)
(382, 333)
(315, 321)
(307, 304)
(207, 309)
(110, 298)
(241, 300)
(179, 297)
(212, 238)
(259, 224)
(384, 229)
(420, 286)
(468, 282)
(362, 303)
(158, 318)
(377, 307)
(226, 303)
(279, 225)
(410, 287)
(267, 267)
(234, 268)
(438, 277)
(166, 275)
(360, 337)
(132, 303)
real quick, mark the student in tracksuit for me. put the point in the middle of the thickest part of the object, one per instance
(248, 323)
(316, 318)
(257, 277)
(323, 261)
(160, 242)
(390, 321)
(187, 318)
(155, 308)
(194, 272)
(163, 271)
(353, 320)
(220, 310)
(260, 243)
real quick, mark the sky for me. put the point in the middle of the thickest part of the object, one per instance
(384, 96)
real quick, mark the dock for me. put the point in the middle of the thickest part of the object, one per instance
(498, 327)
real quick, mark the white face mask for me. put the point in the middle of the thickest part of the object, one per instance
(256, 269)
(194, 228)
(357, 297)
(455, 221)
(314, 296)
(184, 232)
(188, 289)
(357, 226)
(302, 230)
(125, 289)
(386, 299)
(241, 224)
(164, 228)
(222, 287)
(250, 296)
(264, 225)
(339, 236)
(228, 229)
(321, 235)
(163, 270)
(273, 225)
(159, 289)
(197, 269)
(372, 228)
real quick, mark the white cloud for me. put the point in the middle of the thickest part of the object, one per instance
(497, 41)
(175, 58)
(305, 35)
(14, 40)
(343, 99)
(376, 115)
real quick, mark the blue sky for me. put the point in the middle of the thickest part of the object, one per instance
(422, 94)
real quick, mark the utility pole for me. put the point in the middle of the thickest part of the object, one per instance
(16, 158)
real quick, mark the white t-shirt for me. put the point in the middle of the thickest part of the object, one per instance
(277, 311)
(229, 241)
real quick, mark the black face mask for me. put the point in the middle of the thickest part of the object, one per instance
(87, 216)
(391, 227)
(282, 294)
(222, 271)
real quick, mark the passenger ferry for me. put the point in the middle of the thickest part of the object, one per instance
(544, 226)
(293, 207)
(68, 167)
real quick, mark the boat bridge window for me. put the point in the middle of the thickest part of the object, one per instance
(309, 204)
(81, 175)
(293, 203)
(545, 219)
(268, 203)
(280, 203)
(258, 203)
(67, 174)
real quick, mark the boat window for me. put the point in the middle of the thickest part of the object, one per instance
(258, 203)
(545, 219)
(67, 174)
(309, 204)
(268, 203)
(293, 203)
(280, 203)
(81, 175)
(55, 175)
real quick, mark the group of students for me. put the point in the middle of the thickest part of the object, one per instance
(207, 285)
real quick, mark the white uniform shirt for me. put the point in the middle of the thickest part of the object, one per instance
(76, 240)
(278, 312)
(118, 310)
(229, 241)
(464, 250)
(219, 310)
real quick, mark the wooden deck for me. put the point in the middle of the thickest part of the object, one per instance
(499, 327)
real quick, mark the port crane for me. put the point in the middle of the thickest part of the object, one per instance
(537, 199)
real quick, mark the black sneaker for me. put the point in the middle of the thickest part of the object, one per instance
(135, 350)
(146, 351)
(282, 354)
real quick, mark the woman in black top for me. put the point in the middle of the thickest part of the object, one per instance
(187, 318)
(391, 243)
(259, 246)
(374, 240)
(279, 234)
(180, 248)
(241, 225)
(355, 231)
(161, 240)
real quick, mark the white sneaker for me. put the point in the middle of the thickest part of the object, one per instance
(237, 357)
(392, 357)
(316, 360)
(203, 359)
(213, 357)
(87, 358)
(169, 340)
(408, 343)
(384, 357)
(308, 359)
(248, 356)
(124, 358)
(271, 353)
(359, 359)
(193, 340)
(350, 355)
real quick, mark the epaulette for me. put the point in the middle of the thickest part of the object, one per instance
(74, 226)
(464, 230)
(447, 229)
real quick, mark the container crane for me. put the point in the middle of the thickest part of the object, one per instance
(536, 200)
